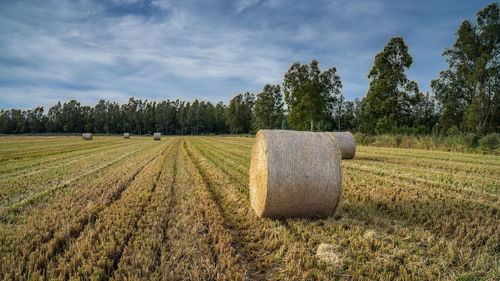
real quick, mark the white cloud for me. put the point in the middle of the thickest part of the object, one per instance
(49, 96)
(162, 4)
(242, 5)
(77, 49)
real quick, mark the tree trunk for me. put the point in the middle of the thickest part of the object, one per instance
(340, 114)
(312, 125)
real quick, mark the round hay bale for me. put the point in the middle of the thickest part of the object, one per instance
(294, 174)
(157, 136)
(346, 144)
(87, 136)
(126, 135)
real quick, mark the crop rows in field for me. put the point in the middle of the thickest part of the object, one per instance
(179, 209)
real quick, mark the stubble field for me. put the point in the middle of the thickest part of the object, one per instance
(115, 209)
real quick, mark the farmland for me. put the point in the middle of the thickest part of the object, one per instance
(115, 209)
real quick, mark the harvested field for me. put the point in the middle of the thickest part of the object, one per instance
(117, 209)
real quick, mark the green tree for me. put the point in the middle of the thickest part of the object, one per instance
(149, 117)
(310, 94)
(114, 120)
(239, 115)
(182, 113)
(55, 122)
(469, 90)
(36, 120)
(129, 114)
(391, 95)
(345, 116)
(269, 108)
(220, 118)
(164, 118)
(88, 119)
(100, 112)
(72, 117)
(425, 112)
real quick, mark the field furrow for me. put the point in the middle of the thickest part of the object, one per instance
(144, 248)
(41, 165)
(179, 209)
(30, 198)
(31, 152)
(445, 219)
(97, 252)
(273, 245)
(188, 250)
(26, 187)
(48, 234)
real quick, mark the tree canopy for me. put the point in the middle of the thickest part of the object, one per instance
(239, 114)
(391, 95)
(468, 91)
(310, 94)
(268, 111)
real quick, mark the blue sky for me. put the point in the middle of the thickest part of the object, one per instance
(211, 50)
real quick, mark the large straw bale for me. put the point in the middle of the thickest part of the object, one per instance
(87, 136)
(345, 143)
(157, 136)
(126, 135)
(294, 174)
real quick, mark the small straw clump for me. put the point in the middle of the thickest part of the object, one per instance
(87, 136)
(326, 253)
(126, 135)
(157, 136)
(345, 143)
(294, 174)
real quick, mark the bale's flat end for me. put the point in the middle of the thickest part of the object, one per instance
(345, 143)
(259, 174)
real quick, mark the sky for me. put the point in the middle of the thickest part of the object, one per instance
(57, 50)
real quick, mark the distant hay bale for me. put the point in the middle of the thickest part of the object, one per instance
(126, 135)
(346, 144)
(87, 136)
(157, 136)
(294, 174)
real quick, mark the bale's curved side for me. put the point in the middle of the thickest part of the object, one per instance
(157, 136)
(126, 135)
(87, 136)
(346, 144)
(303, 174)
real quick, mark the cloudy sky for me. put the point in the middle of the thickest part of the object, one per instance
(211, 50)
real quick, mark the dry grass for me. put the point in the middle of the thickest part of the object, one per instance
(179, 209)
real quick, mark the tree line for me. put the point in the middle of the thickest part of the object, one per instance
(464, 98)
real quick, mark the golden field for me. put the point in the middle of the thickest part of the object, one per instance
(115, 209)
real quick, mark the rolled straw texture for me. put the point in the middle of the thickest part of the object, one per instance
(87, 136)
(346, 144)
(294, 174)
